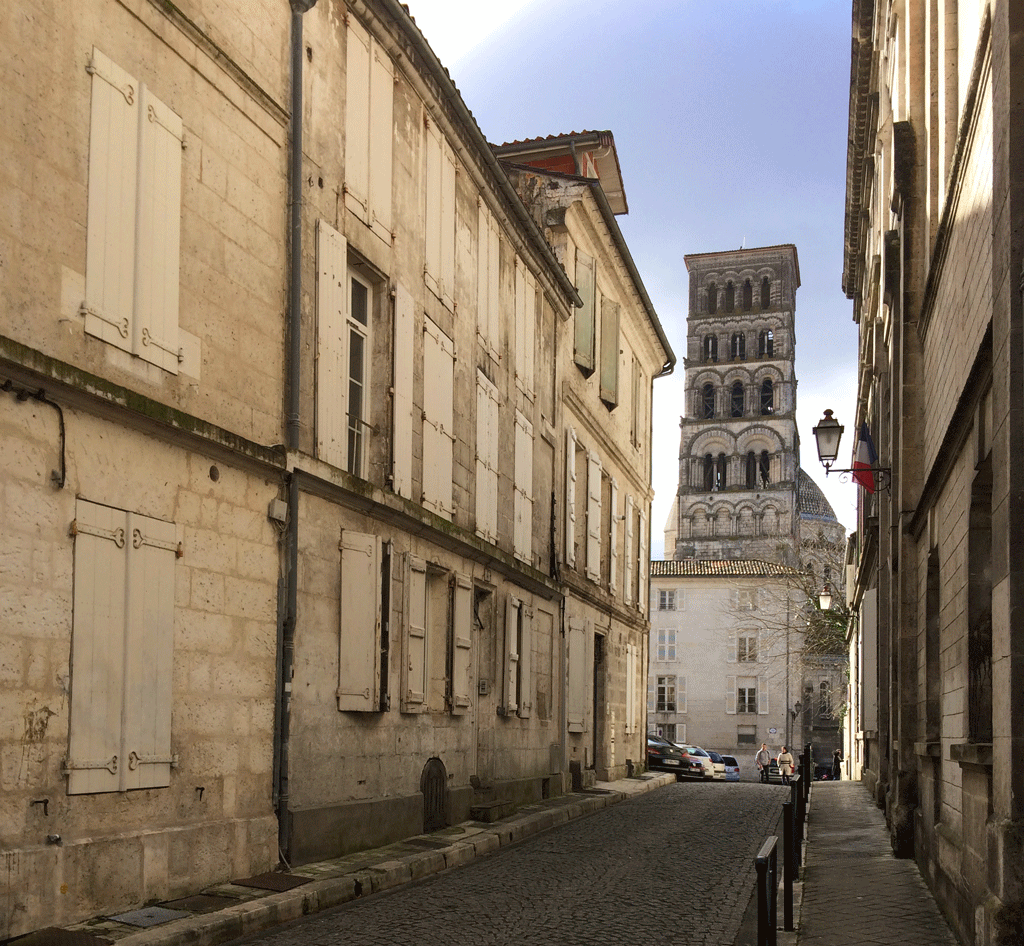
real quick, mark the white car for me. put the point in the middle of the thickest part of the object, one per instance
(732, 768)
(719, 762)
(705, 760)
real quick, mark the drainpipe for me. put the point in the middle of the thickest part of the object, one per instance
(285, 665)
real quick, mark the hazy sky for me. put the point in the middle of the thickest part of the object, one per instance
(730, 121)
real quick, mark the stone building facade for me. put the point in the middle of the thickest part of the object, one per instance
(326, 451)
(933, 262)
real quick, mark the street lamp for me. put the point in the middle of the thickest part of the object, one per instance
(825, 598)
(827, 436)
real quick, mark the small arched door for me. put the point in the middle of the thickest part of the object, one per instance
(434, 786)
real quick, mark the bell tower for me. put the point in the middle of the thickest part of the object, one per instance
(739, 450)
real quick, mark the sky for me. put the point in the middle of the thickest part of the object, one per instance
(730, 122)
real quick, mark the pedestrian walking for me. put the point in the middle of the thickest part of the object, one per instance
(785, 761)
(762, 760)
(837, 766)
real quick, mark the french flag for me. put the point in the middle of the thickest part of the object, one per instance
(864, 458)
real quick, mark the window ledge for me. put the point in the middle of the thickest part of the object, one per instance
(972, 754)
(928, 749)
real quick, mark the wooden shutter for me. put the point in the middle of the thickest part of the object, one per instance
(438, 424)
(95, 754)
(613, 538)
(432, 209)
(570, 497)
(526, 327)
(733, 646)
(642, 604)
(488, 325)
(402, 384)
(631, 666)
(511, 675)
(762, 695)
(578, 683)
(523, 502)
(359, 623)
(593, 516)
(331, 345)
(415, 659)
(462, 651)
(609, 352)
(730, 695)
(448, 178)
(681, 695)
(585, 317)
(357, 120)
(113, 188)
(628, 553)
(486, 458)
(525, 661)
(381, 138)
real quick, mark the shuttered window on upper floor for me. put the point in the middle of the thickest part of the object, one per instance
(586, 317)
(369, 108)
(133, 225)
(402, 392)
(613, 537)
(569, 524)
(609, 352)
(594, 522)
(488, 321)
(526, 328)
(121, 651)
(523, 499)
(487, 441)
(438, 419)
(439, 250)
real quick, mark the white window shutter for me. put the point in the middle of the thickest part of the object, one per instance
(523, 502)
(681, 695)
(731, 657)
(593, 516)
(149, 653)
(609, 387)
(762, 696)
(613, 539)
(432, 216)
(526, 327)
(357, 120)
(511, 676)
(331, 345)
(438, 420)
(111, 218)
(158, 251)
(448, 178)
(570, 497)
(462, 665)
(585, 316)
(486, 458)
(628, 553)
(97, 649)
(730, 695)
(487, 282)
(359, 623)
(577, 687)
(414, 675)
(631, 665)
(402, 384)
(381, 138)
(642, 604)
(525, 661)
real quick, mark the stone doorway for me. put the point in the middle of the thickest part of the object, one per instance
(434, 786)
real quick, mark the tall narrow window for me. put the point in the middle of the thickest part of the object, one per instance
(748, 295)
(712, 298)
(438, 419)
(439, 216)
(666, 644)
(730, 297)
(746, 648)
(738, 346)
(720, 472)
(358, 336)
(737, 399)
(710, 348)
(708, 401)
(766, 293)
(585, 318)
(764, 468)
(746, 699)
(766, 343)
(666, 695)
(825, 700)
(709, 472)
(751, 470)
(979, 606)
(767, 396)
(666, 600)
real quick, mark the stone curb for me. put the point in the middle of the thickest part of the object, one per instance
(264, 913)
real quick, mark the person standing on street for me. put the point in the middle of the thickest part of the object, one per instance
(762, 759)
(785, 761)
(837, 766)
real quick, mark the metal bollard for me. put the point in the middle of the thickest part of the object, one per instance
(788, 865)
(767, 866)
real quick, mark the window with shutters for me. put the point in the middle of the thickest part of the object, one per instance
(345, 303)
(632, 663)
(518, 678)
(121, 651)
(666, 694)
(666, 600)
(487, 440)
(746, 695)
(439, 249)
(526, 328)
(609, 392)
(359, 637)
(488, 318)
(460, 674)
(133, 225)
(438, 419)
(613, 535)
(402, 371)
(629, 552)
(593, 516)
(643, 557)
(578, 685)
(523, 482)
(570, 497)
(369, 108)
(746, 647)
(746, 599)
(585, 337)
(638, 403)
(666, 644)
(414, 633)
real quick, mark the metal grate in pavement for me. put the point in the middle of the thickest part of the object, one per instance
(201, 903)
(273, 881)
(149, 916)
(55, 936)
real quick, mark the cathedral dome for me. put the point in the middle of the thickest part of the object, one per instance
(811, 502)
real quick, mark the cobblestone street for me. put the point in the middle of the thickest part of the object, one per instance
(671, 866)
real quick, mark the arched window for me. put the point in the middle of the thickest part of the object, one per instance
(738, 346)
(720, 472)
(708, 401)
(751, 470)
(748, 295)
(737, 399)
(730, 297)
(766, 293)
(711, 348)
(764, 468)
(709, 472)
(712, 298)
(767, 396)
(766, 344)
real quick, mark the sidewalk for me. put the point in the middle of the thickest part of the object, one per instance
(250, 905)
(855, 893)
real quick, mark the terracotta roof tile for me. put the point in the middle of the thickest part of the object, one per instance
(732, 568)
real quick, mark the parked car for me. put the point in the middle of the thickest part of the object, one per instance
(665, 755)
(705, 760)
(719, 763)
(732, 768)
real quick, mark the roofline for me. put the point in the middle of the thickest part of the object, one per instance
(749, 249)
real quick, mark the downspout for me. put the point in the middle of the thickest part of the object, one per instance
(286, 643)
